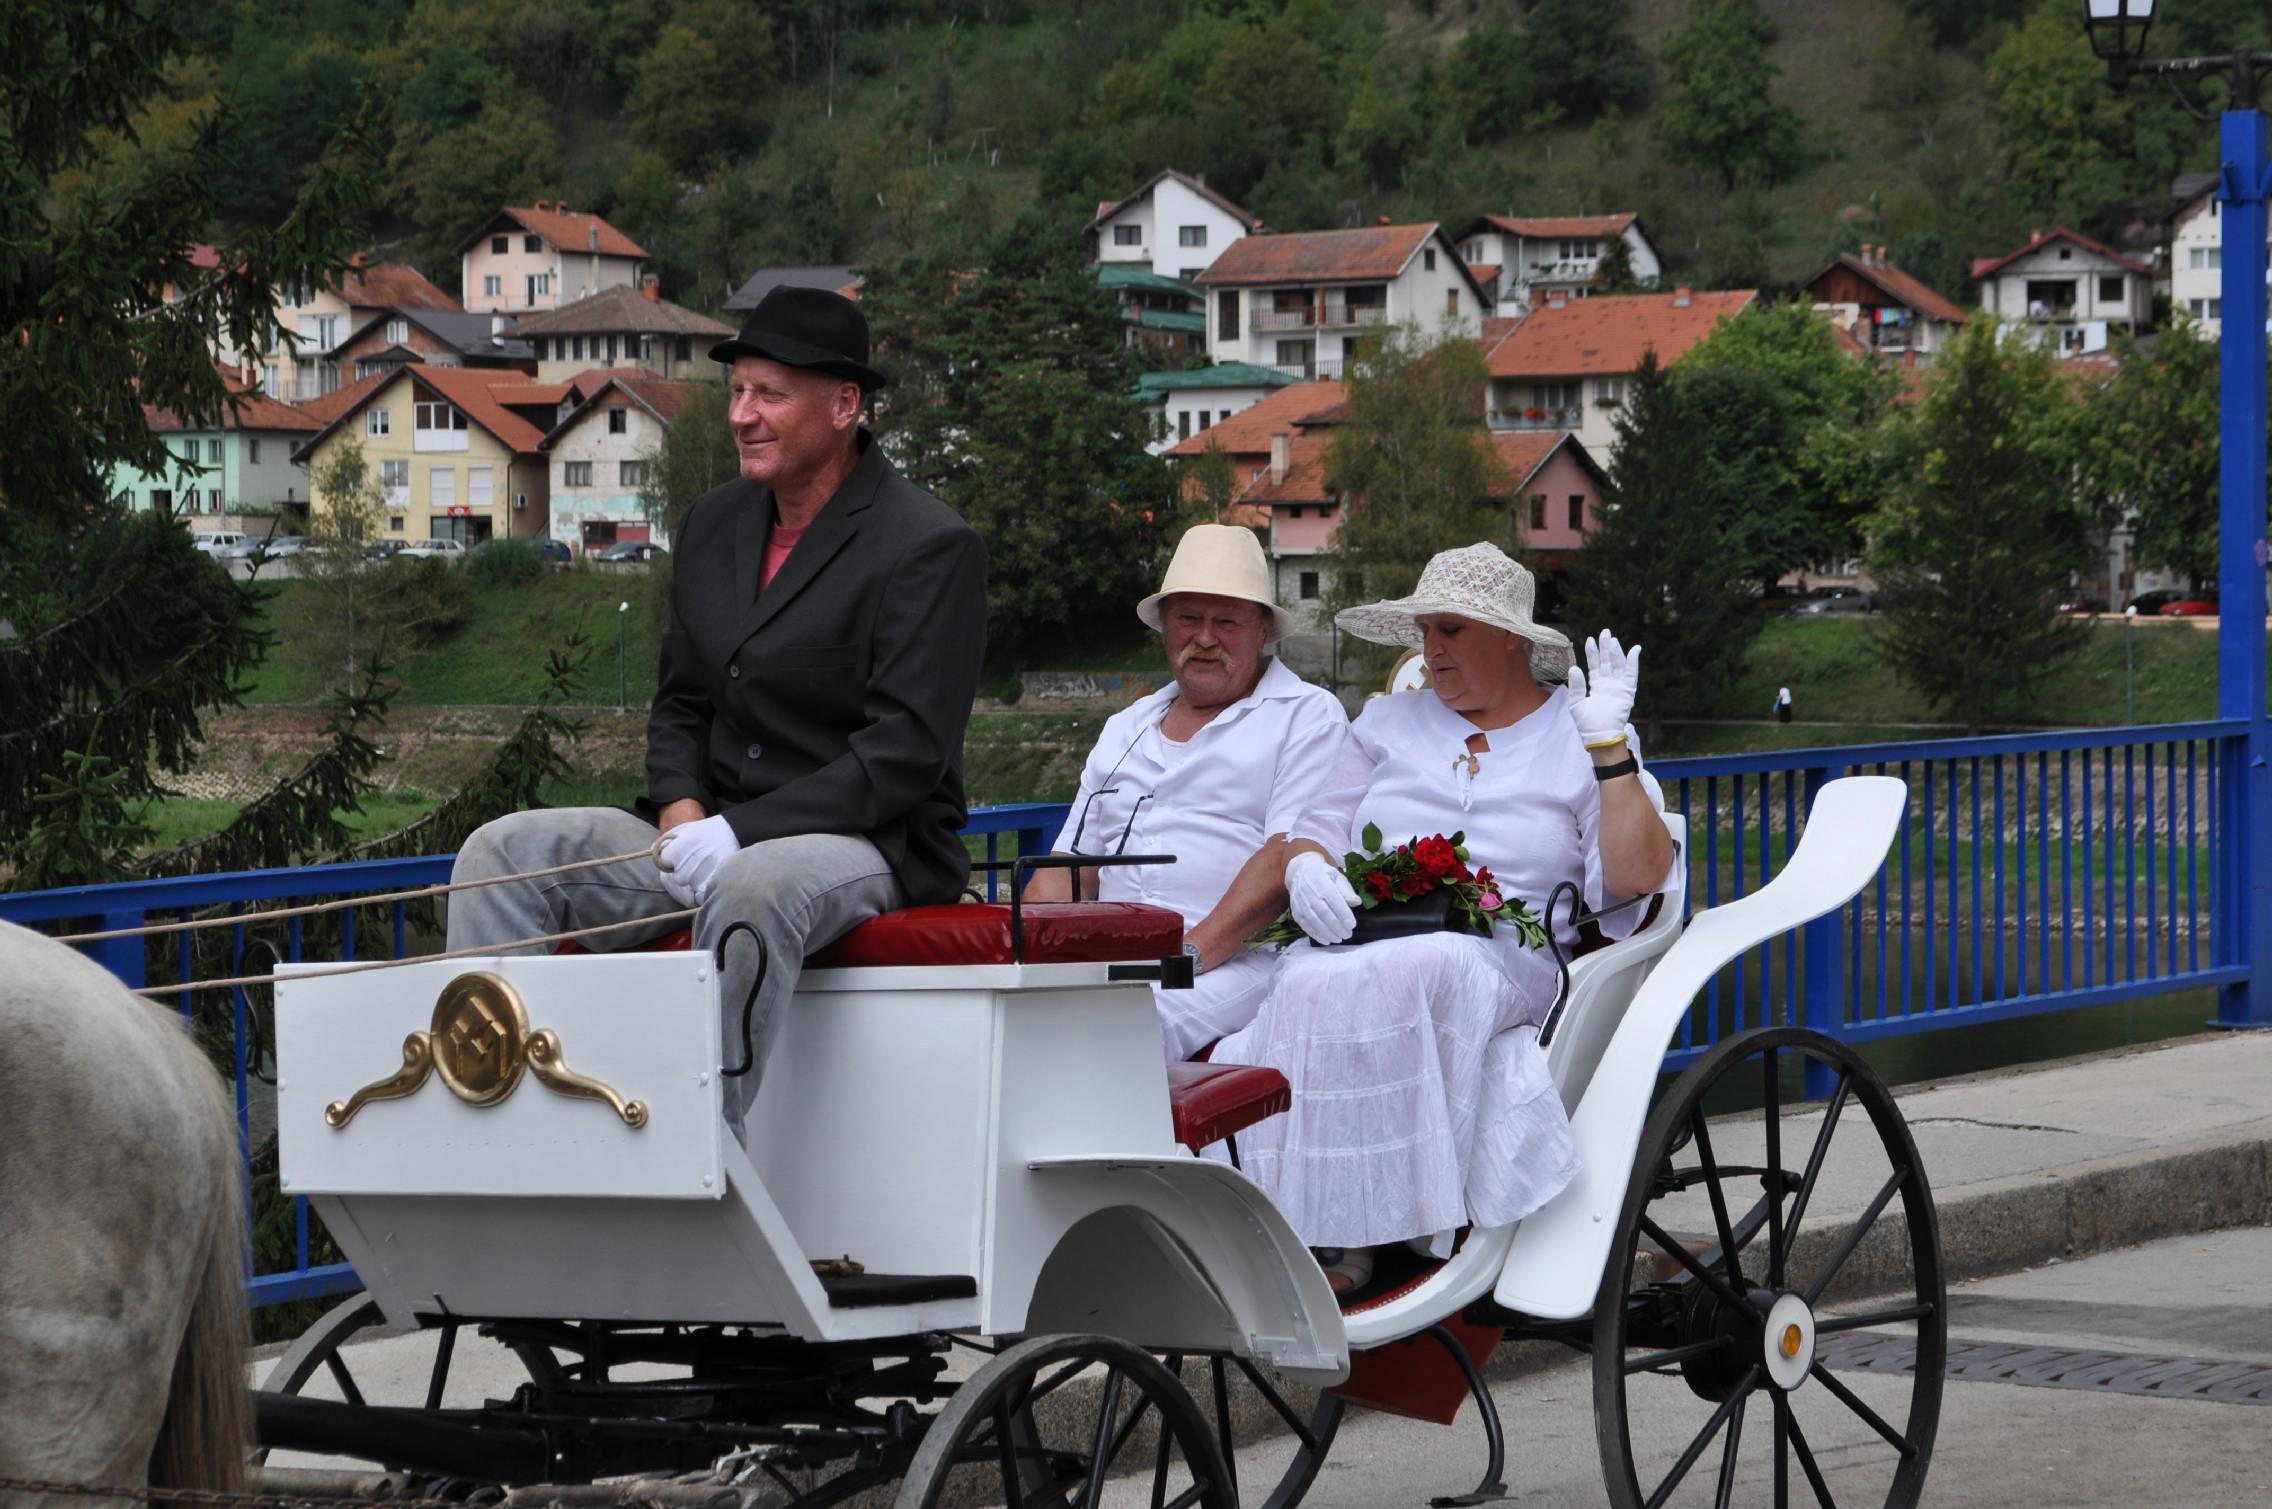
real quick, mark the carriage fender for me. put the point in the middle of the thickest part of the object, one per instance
(1554, 1267)
(1180, 1252)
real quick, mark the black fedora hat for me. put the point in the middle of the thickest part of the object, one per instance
(806, 327)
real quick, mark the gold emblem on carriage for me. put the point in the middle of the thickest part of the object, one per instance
(480, 1042)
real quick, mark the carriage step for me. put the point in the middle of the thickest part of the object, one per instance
(866, 1291)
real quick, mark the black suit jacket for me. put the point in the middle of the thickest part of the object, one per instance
(836, 701)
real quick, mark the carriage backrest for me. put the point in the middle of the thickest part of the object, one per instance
(1602, 984)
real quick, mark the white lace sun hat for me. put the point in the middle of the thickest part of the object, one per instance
(1477, 582)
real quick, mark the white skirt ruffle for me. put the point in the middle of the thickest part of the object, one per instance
(1422, 1102)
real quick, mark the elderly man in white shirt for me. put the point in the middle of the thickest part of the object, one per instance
(1213, 770)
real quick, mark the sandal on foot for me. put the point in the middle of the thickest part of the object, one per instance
(1347, 1269)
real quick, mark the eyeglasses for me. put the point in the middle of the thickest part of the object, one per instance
(1126, 828)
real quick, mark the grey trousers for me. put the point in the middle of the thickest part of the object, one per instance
(800, 893)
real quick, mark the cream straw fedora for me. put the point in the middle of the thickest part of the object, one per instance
(1477, 582)
(1221, 560)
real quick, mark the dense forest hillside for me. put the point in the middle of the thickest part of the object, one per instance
(1756, 137)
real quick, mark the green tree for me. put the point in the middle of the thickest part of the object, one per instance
(1717, 112)
(1980, 533)
(1673, 564)
(1012, 399)
(1593, 60)
(695, 454)
(453, 181)
(2065, 141)
(699, 87)
(1417, 463)
(121, 633)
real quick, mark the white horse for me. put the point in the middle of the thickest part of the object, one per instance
(122, 1238)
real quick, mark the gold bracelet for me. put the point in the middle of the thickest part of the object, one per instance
(1607, 743)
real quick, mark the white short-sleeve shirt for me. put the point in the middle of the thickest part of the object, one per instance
(1211, 800)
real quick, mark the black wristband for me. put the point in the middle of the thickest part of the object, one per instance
(1626, 766)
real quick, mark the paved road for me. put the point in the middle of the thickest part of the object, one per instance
(2002, 1443)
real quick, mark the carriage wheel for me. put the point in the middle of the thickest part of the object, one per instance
(1015, 1430)
(1687, 1338)
(1311, 1438)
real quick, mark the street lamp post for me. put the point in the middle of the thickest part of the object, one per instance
(2117, 30)
(622, 611)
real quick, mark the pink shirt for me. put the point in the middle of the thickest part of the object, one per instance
(777, 547)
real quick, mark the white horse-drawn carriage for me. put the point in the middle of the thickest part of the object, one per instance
(965, 1139)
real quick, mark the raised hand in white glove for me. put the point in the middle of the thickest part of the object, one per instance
(691, 855)
(1320, 897)
(1601, 695)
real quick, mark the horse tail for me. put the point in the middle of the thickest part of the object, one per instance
(202, 1440)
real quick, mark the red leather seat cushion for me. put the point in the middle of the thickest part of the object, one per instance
(669, 943)
(1076, 932)
(1211, 1101)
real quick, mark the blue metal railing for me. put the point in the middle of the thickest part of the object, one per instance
(2034, 873)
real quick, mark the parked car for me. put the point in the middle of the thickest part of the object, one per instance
(631, 550)
(2150, 603)
(555, 552)
(435, 549)
(2190, 607)
(219, 541)
(382, 550)
(1778, 598)
(282, 548)
(1836, 600)
(2084, 602)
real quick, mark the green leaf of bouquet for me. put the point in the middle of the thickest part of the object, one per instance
(1372, 837)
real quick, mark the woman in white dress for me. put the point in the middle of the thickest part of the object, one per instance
(1421, 1098)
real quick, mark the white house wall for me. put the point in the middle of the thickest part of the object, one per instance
(1160, 217)
(607, 499)
(1418, 295)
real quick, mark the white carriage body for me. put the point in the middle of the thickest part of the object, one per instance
(1007, 1125)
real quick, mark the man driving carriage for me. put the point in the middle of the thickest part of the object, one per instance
(804, 749)
(1213, 770)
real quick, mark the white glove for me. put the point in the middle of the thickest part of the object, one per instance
(691, 855)
(1320, 897)
(1601, 695)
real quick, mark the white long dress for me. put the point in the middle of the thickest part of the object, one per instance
(1421, 1098)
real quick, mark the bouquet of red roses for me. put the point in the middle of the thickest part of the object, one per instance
(1425, 867)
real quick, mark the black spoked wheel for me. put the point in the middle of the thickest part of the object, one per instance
(1751, 1249)
(1054, 1420)
(1277, 1464)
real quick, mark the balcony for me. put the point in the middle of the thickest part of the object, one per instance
(1322, 314)
(1539, 419)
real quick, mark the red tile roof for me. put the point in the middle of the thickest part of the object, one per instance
(1988, 267)
(1248, 432)
(1373, 251)
(526, 395)
(1304, 481)
(1496, 328)
(1106, 209)
(658, 396)
(1896, 284)
(619, 308)
(254, 410)
(1609, 335)
(569, 230)
(393, 285)
(473, 389)
(339, 400)
(1486, 273)
(1564, 225)
(1526, 451)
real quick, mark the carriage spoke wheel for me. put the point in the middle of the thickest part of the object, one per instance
(1022, 1433)
(1229, 1382)
(1729, 1279)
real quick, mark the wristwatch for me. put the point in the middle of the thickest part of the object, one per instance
(1191, 952)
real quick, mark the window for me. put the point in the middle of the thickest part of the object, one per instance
(619, 421)
(1610, 390)
(1451, 301)
(1183, 423)
(1308, 588)
(493, 286)
(2111, 290)
(1191, 235)
(2205, 309)
(213, 451)
(576, 474)
(398, 331)
(1204, 421)
(480, 486)
(1128, 235)
(646, 348)
(1538, 511)
(576, 347)
(499, 245)
(394, 483)
(442, 486)
(1227, 315)
(377, 422)
(532, 243)
(611, 348)
(1556, 395)
(271, 381)
(2205, 258)
(395, 523)
(686, 348)
(1578, 511)
(539, 283)
(631, 474)
(439, 416)
(252, 452)
(162, 499)
(1428, 259)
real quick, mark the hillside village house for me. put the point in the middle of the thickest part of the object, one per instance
(2071, 288)
(1174, 225)
(237, 474)
(543, 256)
(1162, 314)
(2196, 266)
(1245, 437)
(623, 328)
(452, 459)
(1886, 311)
(1193, 401)
(599, 456)
(841, 280)
(434, 337)
(1567, 366)
(1525, 260)
(1303, 302)
(326, 318)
